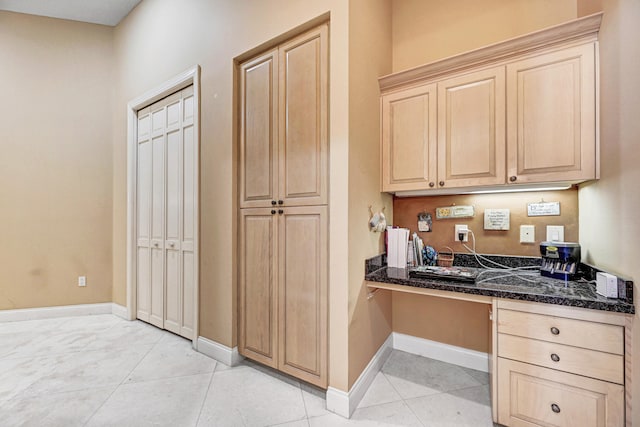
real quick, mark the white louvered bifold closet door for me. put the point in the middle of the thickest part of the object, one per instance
(166, 215)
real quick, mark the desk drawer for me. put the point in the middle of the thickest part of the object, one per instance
(534, 396)
(577, 333)
(594, 364)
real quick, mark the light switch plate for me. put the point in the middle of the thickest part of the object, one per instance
(527, 234)
(555, 233)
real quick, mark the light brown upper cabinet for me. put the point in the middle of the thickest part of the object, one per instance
(283, 221)
(471, 141)
(259, 130)
(283, 129)
(551, 125)
(518, 113)
(409, 139)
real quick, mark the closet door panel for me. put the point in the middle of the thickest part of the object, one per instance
(157, 190)
(188, 295)
(144, 284)
(157, 287)
(189, 206)
(173, 182)
(173, 115)
(143, 225)
(173, 293)
(173, 287)
(189, 190)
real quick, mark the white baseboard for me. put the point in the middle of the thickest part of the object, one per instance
(227, 355)
(444, 352)
(120, 311)
(343, 403)
(53, 312)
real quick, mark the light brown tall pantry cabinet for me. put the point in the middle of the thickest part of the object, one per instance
(283, 186)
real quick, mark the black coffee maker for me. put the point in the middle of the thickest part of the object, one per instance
(560, 260)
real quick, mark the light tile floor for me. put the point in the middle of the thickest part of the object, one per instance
(104, 371)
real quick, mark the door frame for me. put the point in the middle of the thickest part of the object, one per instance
(188, 77)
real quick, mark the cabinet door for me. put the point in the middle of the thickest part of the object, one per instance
(158, 145)
(173, 196)
(303, 293)
(303, 148)
(552, 112)
(409, 139)
(143, 220)
(471, 130)
(189, 212)
(258, 285)
(530, 395)
(259, 131)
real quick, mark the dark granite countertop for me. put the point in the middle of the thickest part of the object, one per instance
(527, 287)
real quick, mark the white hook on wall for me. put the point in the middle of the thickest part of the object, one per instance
(377, 221)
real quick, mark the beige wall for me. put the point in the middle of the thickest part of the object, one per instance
(160, 39)
(369, 58)
(491, 241)
(608, 208)
(55, 161)
(427, 30)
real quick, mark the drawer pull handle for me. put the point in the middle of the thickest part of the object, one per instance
(555, 357)
(555, 331)
(555, 408)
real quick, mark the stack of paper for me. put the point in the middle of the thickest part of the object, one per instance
(398, 240)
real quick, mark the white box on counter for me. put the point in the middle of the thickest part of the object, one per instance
(607, 285)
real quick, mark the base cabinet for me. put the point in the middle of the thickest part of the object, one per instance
(283, 290)
(530, 395)
(559, 366)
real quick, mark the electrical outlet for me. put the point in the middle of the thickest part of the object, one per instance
(82, 280)
(555, 233)
(527, 234)
(461, 228)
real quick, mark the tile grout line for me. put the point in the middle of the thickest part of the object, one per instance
(413, 412)
(206, 394)
(121, 382)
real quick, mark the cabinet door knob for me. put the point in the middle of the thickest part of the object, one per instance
(172, 244)
(555, 357)
(155, 244)
(555, 408)
(513, 178)
(280, 211)
(273, 211)
(273, 202)
(431, 184)
(281, 202)
(441, 183)
(555, 331)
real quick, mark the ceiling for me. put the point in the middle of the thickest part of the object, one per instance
(105, 12)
